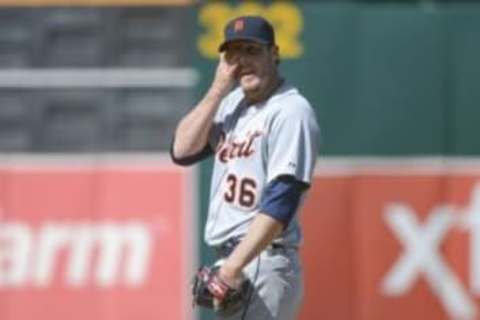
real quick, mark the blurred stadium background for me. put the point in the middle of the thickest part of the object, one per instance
(97, 223)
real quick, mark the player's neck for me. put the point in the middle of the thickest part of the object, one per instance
(275, 82)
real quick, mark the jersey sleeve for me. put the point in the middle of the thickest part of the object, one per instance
(293, 143)
(215, 134)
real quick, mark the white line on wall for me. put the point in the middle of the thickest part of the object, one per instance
(98, 78)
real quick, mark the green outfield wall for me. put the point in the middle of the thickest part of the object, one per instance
(385, 79)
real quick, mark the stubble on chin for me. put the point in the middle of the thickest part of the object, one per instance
(250, 83)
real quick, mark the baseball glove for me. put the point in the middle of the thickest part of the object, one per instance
(208, 286)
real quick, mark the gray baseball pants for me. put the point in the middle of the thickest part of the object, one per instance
(278, 281)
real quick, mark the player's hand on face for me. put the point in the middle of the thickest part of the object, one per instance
(225, 75)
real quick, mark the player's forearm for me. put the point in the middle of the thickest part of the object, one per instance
(191, 134)
(260, 234)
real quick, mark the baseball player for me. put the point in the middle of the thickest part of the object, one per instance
(264, 138)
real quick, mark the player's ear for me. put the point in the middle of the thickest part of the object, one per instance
(275, 50)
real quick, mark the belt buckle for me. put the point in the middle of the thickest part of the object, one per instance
(276, 248)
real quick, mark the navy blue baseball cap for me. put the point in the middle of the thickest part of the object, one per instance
(253, 28)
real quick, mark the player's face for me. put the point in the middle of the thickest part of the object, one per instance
(256, 65)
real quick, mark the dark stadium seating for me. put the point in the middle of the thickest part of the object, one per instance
(82, 119)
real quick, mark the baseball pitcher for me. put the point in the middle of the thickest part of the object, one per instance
(264, 138)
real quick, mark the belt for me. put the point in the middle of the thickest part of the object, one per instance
(226, 248)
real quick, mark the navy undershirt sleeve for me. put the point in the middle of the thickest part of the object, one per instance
(282, 197)
(186, 161)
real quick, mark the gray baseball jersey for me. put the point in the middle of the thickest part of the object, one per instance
(254, 145)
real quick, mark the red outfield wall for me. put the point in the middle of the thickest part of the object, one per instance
(94, 238)
(110, 239)
(393, 240)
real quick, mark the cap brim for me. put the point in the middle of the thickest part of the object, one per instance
(222, 47)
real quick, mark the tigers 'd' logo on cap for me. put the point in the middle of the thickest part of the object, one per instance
(239, 25)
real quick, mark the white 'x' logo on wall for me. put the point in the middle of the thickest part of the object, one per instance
(422, 256)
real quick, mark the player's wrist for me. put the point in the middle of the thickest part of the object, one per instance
(215, 95)
(230, 273)
(219, 90)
